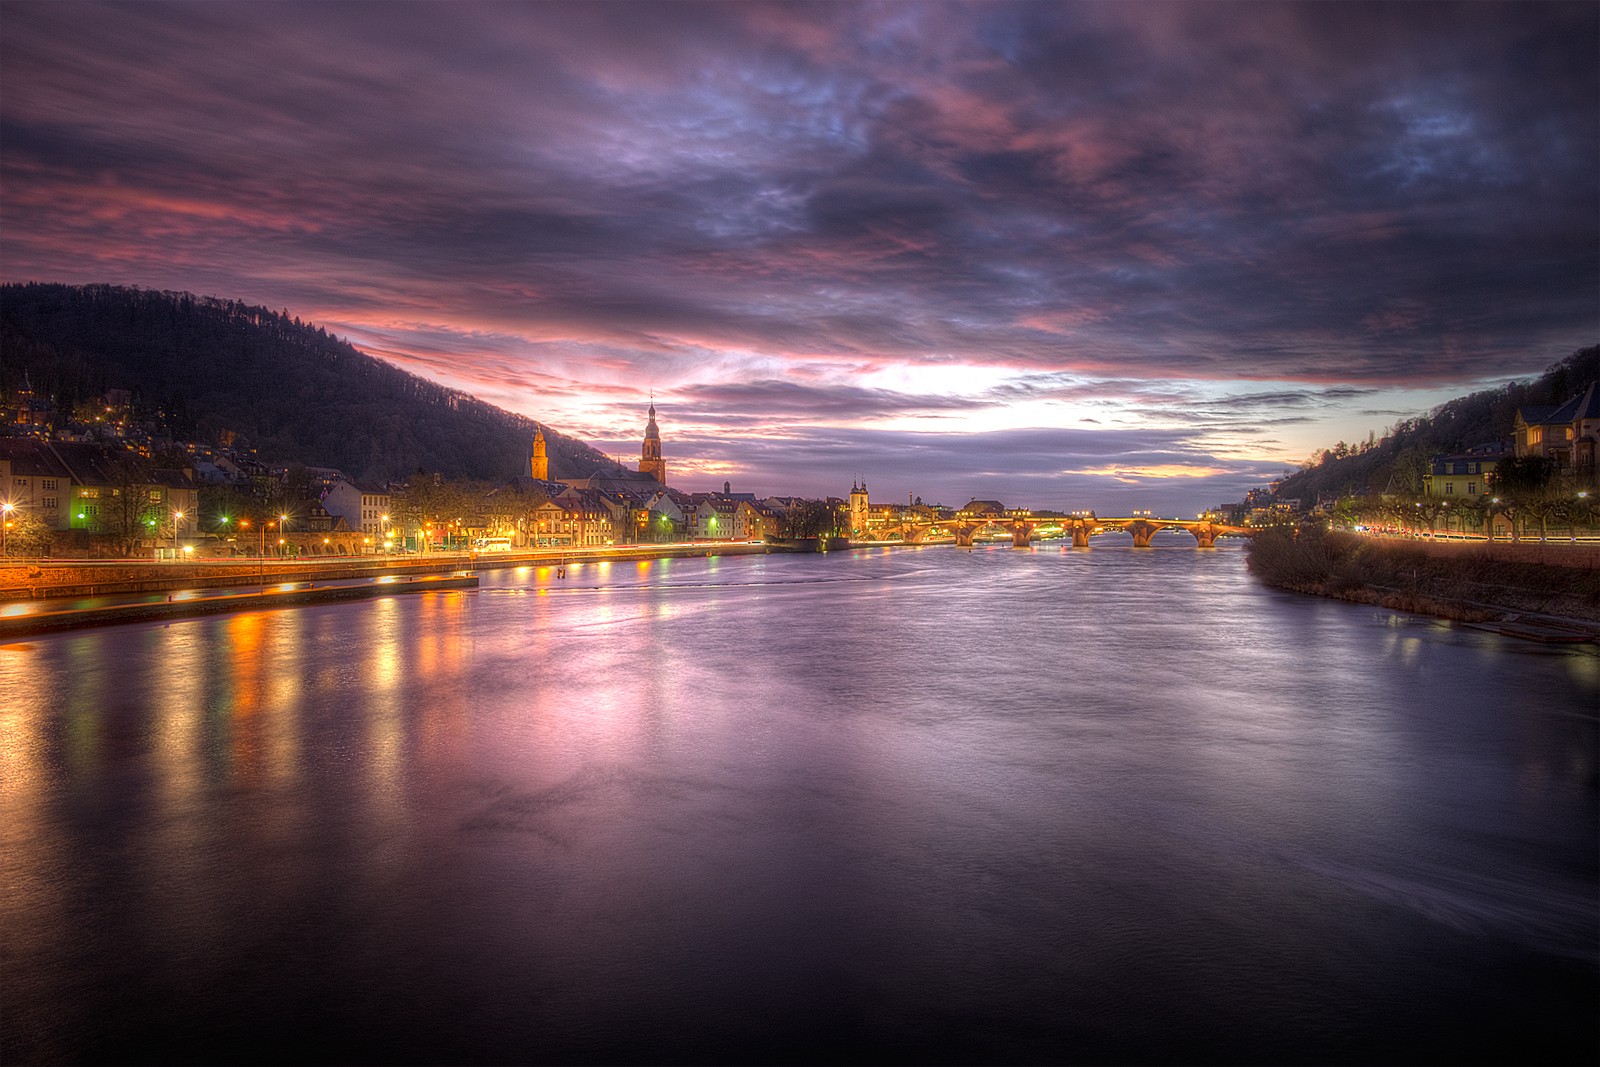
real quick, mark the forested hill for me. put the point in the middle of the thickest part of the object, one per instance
(1400, 459)
(204, 367)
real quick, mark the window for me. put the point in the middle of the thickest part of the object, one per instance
(1535, 435)
(49, 503)
(48, 483)
(1472, 488)
(1449, 488)
(19, 481)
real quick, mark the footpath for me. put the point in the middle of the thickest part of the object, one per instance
(21, 619)
(43, 596)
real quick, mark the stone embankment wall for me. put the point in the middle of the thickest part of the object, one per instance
(1457, 580)
(44, 578)
(1581, 554)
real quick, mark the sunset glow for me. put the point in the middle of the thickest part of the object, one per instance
(1109, 255)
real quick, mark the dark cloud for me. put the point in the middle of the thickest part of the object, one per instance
(1306, 196)
(1039, 467)
(786, 400)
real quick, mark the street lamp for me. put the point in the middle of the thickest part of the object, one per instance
(177, 517)
(5, 523)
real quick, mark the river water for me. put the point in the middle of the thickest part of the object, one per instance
(917, 805)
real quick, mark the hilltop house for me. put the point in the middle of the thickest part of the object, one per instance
(1568, 435)
(1463, 476)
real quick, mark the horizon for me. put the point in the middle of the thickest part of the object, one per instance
(1065, 256)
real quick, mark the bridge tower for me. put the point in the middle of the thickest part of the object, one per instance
(858, 509)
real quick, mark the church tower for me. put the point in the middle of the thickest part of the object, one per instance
(540, 467)
(858, 509)
(650, 461)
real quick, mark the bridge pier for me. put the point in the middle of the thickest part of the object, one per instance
(1142, 532)
(964, 535)
(1080, 532)
(1205, 536)
(1021, 535)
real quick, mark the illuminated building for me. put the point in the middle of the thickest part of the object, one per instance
(650, 461)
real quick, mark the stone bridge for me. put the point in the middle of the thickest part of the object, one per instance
(1023, 529)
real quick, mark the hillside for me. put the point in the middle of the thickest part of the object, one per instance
(205, 368)
(1401, 456)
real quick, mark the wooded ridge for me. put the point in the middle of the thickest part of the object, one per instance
(207, 370)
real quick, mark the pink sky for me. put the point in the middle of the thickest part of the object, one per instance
(1100, 255)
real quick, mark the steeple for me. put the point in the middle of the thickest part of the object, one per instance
(650, 461)
(539, 467)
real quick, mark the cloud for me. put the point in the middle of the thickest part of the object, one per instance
(1107, 205)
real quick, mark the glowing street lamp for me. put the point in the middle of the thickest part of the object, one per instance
(177, 518)
(5, 523)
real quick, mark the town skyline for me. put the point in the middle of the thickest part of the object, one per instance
(1142, 255)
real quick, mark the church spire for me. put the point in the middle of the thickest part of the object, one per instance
(539, 466)
(650, 459)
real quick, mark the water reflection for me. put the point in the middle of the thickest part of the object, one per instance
(919, 804)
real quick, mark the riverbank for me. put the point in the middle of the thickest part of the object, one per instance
(52, 616)
(1553, 598)
(41, 596)
(41, 579)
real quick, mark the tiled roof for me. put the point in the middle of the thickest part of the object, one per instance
(1536, 414)
(1587, 404)
(90, 464)
(30, 458)
(171, 479)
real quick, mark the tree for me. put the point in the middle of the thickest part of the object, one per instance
(222, 506)
(428, 504)
(26, 534)
(664, 527)
(1469, 513)
(129, 516)
(1523, 476)
(1409, 468)
(808, 519)
(1428, 509)
(511, 507)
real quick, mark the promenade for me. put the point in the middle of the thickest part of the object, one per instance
(38, 596)
(1554, 551)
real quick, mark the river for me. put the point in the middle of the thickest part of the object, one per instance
(920, 805)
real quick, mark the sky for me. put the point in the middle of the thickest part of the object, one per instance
(1108, 255)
